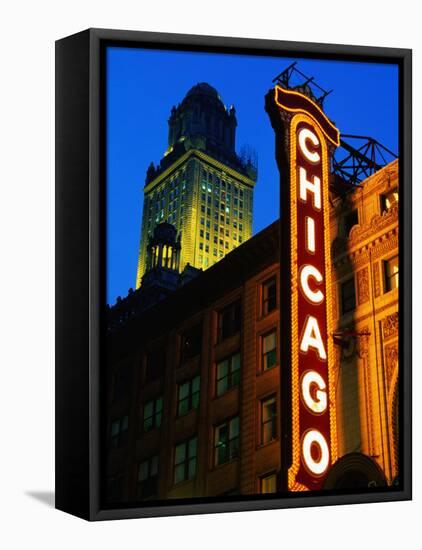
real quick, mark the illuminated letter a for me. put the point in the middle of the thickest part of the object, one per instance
(311, 338)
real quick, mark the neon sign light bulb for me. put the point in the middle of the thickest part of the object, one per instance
(314, 437)
(310, 234)
(307, 272)
(312, 338)
(307, 135)
(318, 405)
(313, 187)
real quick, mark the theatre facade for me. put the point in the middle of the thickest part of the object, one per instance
(193, 371)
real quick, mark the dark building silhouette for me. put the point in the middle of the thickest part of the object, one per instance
(193, 382)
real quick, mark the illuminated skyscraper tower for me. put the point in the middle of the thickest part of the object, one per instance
(201, 186)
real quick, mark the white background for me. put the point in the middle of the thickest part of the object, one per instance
(28, 32)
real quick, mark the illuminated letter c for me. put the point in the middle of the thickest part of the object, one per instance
(308, 271)
(304, 135)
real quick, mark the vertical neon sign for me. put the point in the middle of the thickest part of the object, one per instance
(305, 139)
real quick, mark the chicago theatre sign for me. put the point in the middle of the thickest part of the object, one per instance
(305, 139)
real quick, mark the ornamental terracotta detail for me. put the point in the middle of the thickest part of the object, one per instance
(391, 360)
(377, 282)
(391, 325)
(377, 223)
(362, 342)
(363, 285)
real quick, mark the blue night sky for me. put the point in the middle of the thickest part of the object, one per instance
(142, 86)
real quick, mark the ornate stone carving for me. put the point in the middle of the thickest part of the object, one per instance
(391, 325)
(363, 343)
(391, 360)
(377, 282)
(363, 285)
(377, 223)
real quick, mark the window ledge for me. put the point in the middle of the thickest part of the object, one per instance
(263, 445)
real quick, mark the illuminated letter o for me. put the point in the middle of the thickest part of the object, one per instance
(304, 135)
(314, 437)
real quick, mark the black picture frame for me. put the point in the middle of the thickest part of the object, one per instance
(80, 266)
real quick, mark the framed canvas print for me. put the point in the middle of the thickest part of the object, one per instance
(233, 220)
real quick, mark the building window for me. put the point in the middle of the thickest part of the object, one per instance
(269, 350)
(121, 383)
(118, 431)
(226, 441)
(188, 396)
(153, 411)
(269, 296)
(185, 460)
(155, 364)
(229, 321)
(348, 296)
(115, 487)
(148, 478)
(350, 220)
(191, 343)
(268, 483)
(391, 273)
(268, 420)
(227, 374)
(389, 199)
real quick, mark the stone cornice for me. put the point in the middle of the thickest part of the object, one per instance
(362, 237)
(203, 156)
